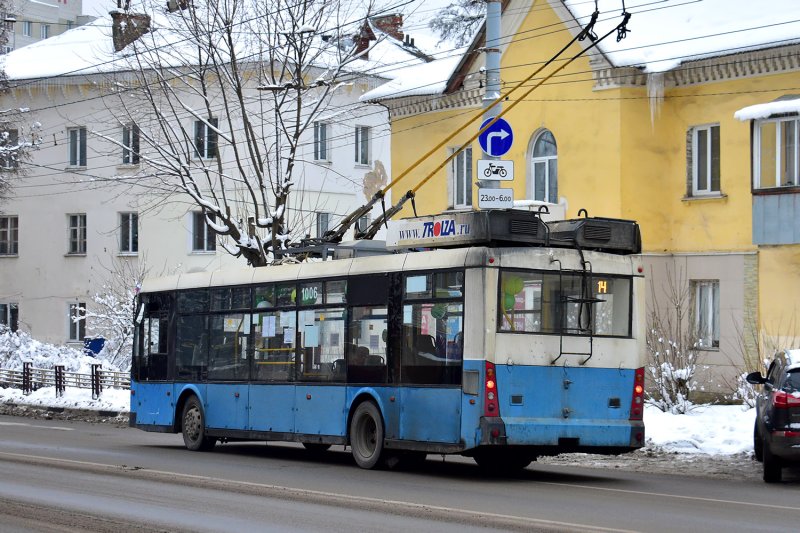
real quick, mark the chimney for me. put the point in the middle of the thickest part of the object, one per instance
(127, 27)
(362, 40)
(391, 25)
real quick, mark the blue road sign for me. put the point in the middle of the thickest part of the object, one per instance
(497, 140)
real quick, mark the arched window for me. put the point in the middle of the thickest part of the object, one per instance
(544, 169)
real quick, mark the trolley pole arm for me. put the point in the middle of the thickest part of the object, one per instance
(373, 228)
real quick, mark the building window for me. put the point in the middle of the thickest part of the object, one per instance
(27, 28)
(362, 145)
(77, 322)
(544, 165)
(321, 141)
(704, 160)
(130, 144)
(323, 223)
(205, 138)
(461, 179)
(77, 234)
(45, 31)
(128, 233)
(204, 238)
(9, 235)
(77, 147)
(9, 149)
(9, 316)
(706, 295)
(777, 153)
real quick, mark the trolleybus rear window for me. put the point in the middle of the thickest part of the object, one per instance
(567, 303)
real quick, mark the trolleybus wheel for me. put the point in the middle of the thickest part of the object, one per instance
(366, 435)
(316, 447)
(193, 427)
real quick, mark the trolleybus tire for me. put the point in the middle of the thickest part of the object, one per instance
(193, 427)
(366, 435)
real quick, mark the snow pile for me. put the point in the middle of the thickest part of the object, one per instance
(758, 111)
(117, 400)
(708, 429)
(18, 347)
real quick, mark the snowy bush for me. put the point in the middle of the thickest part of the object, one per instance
(18, 347)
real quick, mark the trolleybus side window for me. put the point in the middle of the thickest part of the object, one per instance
(537, 302)
(274, 338)
(367, 354)
(191, 348)
(433, 326)
(228, 346)
(321, 333)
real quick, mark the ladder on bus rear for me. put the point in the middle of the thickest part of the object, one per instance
(584, 301)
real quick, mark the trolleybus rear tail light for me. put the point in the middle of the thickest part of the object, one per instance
(490, 405)
(637, 402)
(784, 400)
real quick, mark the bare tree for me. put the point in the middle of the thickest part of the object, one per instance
(222, 96)
(459, 21)
(17, 138)
(672, 346)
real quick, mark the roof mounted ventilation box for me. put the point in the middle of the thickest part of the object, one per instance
(612, 235)
(470, 228)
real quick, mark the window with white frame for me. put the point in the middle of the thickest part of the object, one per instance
(27, 28)
(128, 233)
(544, 166)
(205, 138)
(9, 148)
(44, 32)
(9, 315)
(9, 235)
(322, 132)
(204, 238)
(130, 144)
(77, 321)
(77, 233)
(461, 178)
(705, 158)
(362, 145)
(77, 146)
(776, 151)
(323, 223)
(706, 309)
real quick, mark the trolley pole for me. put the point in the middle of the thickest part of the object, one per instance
(492, 50)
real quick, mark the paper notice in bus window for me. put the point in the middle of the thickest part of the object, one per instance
(268, 326)
(232, 325)
(311, 337)
(288, 335)
(246, 326)
(243, 345)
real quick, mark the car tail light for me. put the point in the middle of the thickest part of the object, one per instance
(790, 434)
(490, 405)
(637, 401)
(784, 400)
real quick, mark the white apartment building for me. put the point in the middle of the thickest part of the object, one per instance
(34, 20)
(81, 207)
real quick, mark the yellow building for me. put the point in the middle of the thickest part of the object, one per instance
(642, 129)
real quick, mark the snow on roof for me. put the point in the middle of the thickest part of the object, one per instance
(780, 106)
(424, 79)
(665, 34)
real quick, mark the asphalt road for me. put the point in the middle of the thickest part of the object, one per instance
(76, 476)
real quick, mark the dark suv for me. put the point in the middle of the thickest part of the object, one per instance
(776, 439)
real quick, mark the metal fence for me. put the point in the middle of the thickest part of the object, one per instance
(30, 379)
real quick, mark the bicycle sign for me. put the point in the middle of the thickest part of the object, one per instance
(498, 170)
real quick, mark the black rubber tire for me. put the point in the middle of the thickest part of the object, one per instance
(758, 444)
(193, 427)
(366, 435)
(316, 447)
(502, 462)
(773, 469)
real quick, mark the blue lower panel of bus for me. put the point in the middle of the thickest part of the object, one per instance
(227, 406)
(320, 410)
(543, 405)
(272, 408)
(430, 414)
(152, 403)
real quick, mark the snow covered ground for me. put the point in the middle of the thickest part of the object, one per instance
(708, 430)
